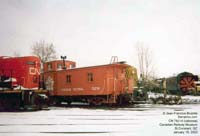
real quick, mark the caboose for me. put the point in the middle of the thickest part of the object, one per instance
(19, 82)
(96, 85)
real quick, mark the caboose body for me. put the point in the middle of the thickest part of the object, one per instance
(104, 84)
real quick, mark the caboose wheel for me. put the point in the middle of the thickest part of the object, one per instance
(69, 103)
(1, 105)
(57, 102)
(96, 101)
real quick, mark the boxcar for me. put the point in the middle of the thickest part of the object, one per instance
(97, 85)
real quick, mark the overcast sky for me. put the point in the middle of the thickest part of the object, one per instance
(91, 31)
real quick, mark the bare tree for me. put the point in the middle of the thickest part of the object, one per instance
(146, 66)
(45, 51)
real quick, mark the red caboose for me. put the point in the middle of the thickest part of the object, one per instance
(19, 72)
(104, 84)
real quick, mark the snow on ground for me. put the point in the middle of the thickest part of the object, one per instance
(137, 120)
(191, 99)
(188, 99)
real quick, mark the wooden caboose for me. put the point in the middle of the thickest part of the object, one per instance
(97, 85)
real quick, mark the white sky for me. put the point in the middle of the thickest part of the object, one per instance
(91, 31)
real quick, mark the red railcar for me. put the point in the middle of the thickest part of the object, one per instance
(19, 72)
(19, 82)
(104, 84)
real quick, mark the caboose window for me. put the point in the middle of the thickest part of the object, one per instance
(59, 66)
(90, 77)
(49, 66)
(68, 78)
(72, 66)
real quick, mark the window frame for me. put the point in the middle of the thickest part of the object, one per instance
(68, 78)
(90, 77)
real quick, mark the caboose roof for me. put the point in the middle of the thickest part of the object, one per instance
(92, 67)
(59, 61)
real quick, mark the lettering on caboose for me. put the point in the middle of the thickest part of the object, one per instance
(95, 88)
(72, 89)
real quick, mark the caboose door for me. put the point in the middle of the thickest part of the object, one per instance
(110, 85)
(50, 82)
